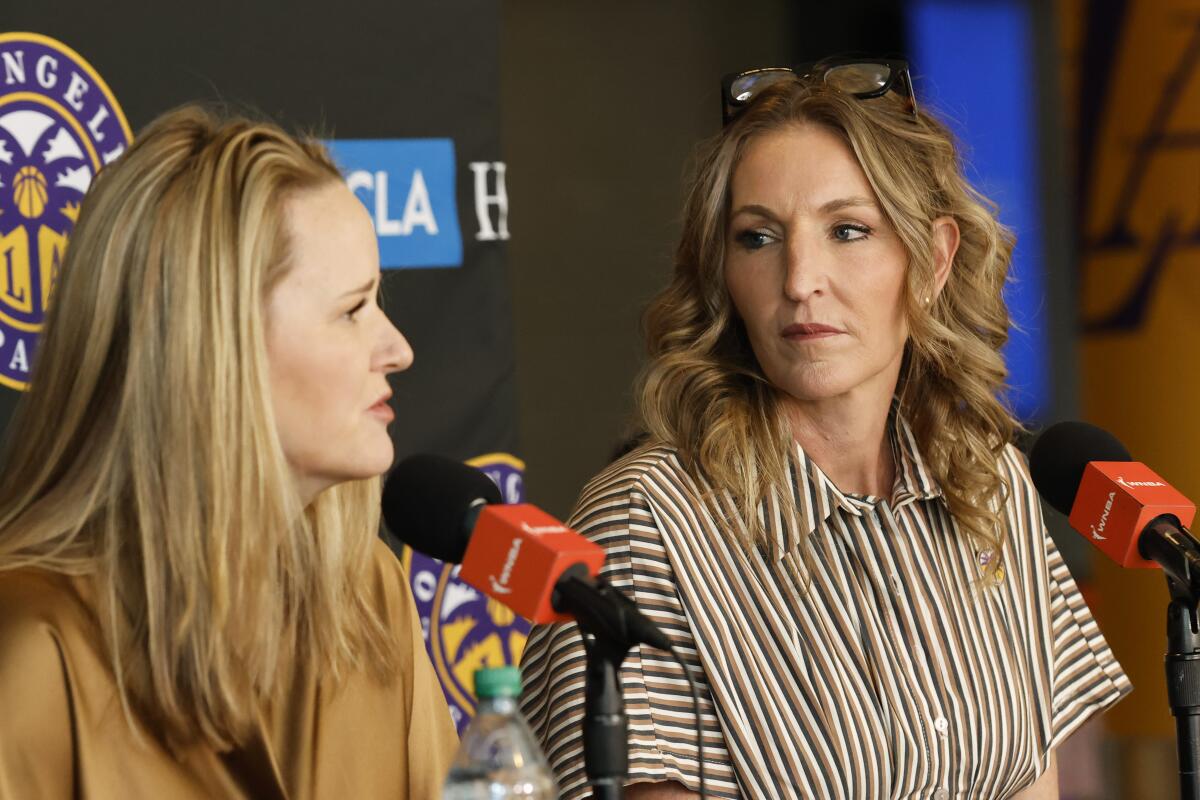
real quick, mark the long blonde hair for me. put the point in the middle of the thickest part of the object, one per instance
(702, 390)
(145, 454)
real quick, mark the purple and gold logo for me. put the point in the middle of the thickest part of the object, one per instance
(464, 629)
(59, 124)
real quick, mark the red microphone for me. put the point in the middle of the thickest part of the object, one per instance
(516, 554)
(1122, 506)
(1135, 518)
(1117, 500)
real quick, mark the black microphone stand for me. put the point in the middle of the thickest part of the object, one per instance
(1165, 542)
(1183, 686)
(616, 626)
(605, 727)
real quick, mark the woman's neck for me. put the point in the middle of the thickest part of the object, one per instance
(847, 438)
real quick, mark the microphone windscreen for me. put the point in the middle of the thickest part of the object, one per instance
(428, 500)
(1060, 454)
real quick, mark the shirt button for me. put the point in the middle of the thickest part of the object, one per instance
(941, 794)
(941, 725)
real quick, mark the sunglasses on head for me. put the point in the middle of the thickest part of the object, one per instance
(864, 78)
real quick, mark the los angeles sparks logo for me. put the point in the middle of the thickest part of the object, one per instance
(59, 124)
(464, 629)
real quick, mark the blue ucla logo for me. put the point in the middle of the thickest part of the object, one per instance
(59, 124)
(408, 186)
(464, 629)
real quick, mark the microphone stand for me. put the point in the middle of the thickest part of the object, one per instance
(616, 626)
(1179, 554)
(1183, 686)
(605, 727)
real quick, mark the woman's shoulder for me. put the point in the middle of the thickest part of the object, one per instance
(636, 489)
(42, 615)
(38, 598)
(649, 463)
(1022, 508)
(40, 619)
(1014, 466)
(392, 591)
(389, 578)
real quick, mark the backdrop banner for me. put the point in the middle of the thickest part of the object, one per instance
(406, 98)
(1134, 70)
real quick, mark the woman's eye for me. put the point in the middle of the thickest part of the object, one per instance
(754, 239)
(359, 306)
(850, 233)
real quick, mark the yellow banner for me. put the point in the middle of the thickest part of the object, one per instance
(1137, 74)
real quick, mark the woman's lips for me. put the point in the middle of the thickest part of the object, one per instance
(808, 331)
(382, 410)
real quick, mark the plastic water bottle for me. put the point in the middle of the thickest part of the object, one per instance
(498, 757)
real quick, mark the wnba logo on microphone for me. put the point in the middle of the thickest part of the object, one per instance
(59, 124)
(501, 586)
(538, 530)
(1132, 484)
(1096, 531)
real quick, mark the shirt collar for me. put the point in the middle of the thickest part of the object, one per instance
(815, 496)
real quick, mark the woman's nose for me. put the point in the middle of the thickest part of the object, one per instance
(396, 355)
(803, 273)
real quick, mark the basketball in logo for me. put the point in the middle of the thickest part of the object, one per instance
(59, 124)
(465, 629)
(29, 192)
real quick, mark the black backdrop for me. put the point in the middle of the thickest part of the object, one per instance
(363, 70)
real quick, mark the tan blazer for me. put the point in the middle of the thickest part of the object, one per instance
(63, 733)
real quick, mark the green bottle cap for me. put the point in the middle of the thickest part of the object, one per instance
(497, 682)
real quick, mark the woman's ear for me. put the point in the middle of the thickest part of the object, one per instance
(945, 245)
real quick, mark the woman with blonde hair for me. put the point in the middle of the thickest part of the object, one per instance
(829, 516)
(193, 599)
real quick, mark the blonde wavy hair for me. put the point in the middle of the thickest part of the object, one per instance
(146, 455)
(702, 390)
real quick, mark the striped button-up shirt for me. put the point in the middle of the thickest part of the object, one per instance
(889, 669)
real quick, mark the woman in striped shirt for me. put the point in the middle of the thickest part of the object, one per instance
(829, 517)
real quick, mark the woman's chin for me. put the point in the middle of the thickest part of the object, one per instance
(822, 389)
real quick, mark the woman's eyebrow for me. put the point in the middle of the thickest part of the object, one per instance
(366, 287)
(754, 208)
(830, 207)
(838, 204)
